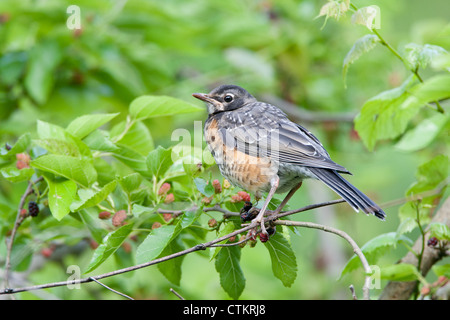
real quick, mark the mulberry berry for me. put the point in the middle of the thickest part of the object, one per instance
(33, 208)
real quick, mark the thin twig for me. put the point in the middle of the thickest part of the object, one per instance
(17, 223)
(177, 294)
(352, 290)
(110, 289)
(198, 247)
(356, 249)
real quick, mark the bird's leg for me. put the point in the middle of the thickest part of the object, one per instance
(260, 217)
(287, 198)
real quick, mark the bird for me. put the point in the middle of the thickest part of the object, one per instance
(259, 149)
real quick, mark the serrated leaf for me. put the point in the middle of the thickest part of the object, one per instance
(400, 272)
(21, 145)
(99, 140)
(430, 174)
(361, 46)
(375, 248)
(155, 243)
(12, 174)
(406, 225)
(95, 198)
(366, 16)
(138, 137)
(84, 125)
(422, 55)
(171, 269)
(145, 107)
(433, 89)
(227, 265)
(131, 158)
(158, 161)
(440, 230)
(423, 134)
(90, 219)
(204, 187)
(228, 228)
(78, 170)
(384, 116)
(130, 182)
(61, 193)
(110, 244)
(334, 9)
(284, 264)
(57, 140)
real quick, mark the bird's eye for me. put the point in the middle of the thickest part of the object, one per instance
(228, 98)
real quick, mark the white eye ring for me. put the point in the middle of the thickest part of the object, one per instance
(228, 97)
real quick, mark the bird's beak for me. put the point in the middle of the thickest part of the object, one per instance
(203, 97)
(213, 104)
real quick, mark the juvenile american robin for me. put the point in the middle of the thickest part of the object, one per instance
(258, 149)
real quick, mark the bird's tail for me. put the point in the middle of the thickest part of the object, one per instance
(348, 192)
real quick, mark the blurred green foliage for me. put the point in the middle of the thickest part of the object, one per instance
(126, 49)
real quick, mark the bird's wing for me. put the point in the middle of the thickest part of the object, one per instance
(261, 129)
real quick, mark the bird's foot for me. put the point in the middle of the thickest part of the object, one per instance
(253, 214)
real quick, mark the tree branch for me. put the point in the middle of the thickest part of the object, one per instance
(356, 249)
(210, 244)
(19, 219)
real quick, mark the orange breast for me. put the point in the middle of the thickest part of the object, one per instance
(248, 172)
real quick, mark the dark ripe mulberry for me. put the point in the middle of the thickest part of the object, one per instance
(33, 208)
(271, 230)
(432, 242)
(264, 237)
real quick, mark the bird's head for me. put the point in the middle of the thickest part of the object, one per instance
(225, 98)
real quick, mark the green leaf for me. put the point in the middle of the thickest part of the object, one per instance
(130, 182)
(227, 265)
(423, 134)
(110, 244)
(366, 16)
(384, 116)
(158, 161)
(375, 248)
(362, 45)
(137, 138)
(334, 9)
(155, 243)
(21, 145)
(226, 229)
(145, 107)
(284, 264)
(131, 158)
(422, 55)
(171, 269)
(432, 89)
(400, 272)
(13, 174)
(440, 230)
(39, 80)
(61, 194)
(205, 187)
(95, 198)
(84, 125)
(57, 140)
(79, 170)
(442, 270)
(90, 219)
(429, 176)
(99, 140)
